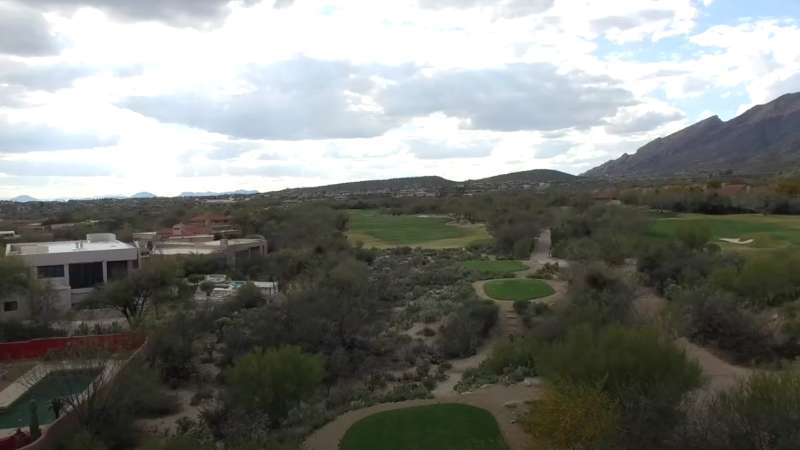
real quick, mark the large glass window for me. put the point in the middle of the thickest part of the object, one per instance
(85, 275)
(50, 271)
(117, 270)
(10, 306)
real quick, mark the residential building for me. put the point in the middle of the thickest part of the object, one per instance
(231, 249)
(71, 268)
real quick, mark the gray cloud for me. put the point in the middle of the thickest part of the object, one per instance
(644, 122)
(516, 97)
(273, 170)
(553, 148)
(174, 12)
(292, 100)
(311, 99)
(622, 23)
(25, 32)
(231, 150)
(46, 77)
(51, 169)
(441, 150)
(505, 8)
(25, 138)
(786, 86)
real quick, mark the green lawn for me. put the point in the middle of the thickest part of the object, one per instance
(495, 266)
(518, 289)
(382, 230)
(435, 427)
(767, 232)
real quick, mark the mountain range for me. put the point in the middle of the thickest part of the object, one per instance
(763, 140)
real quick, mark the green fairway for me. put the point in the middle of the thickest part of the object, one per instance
(382, 231)
(518, 289)
(495, 266)
(767, 232)
(435, 427)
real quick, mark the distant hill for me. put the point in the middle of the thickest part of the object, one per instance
(763, 140)
(23, 199)
(216, 194)
(532, 176)
(389, 185)
(143, 195)
(433, 183)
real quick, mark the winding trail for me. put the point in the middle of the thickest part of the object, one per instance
(502, 401)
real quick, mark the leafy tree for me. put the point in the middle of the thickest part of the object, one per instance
(133, 295)
(275, 380)
(207, 287)
(14, 276)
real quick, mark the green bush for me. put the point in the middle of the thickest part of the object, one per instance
(638, 368)
(274, 381)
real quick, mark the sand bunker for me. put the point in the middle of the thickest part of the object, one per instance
(737, 241)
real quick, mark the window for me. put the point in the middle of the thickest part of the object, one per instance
(50, 271)
(85, 275)
(117, 270)
(10, 306)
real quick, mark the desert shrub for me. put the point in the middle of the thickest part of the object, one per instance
(20, 331)
(598, 296)
(512, 354)
(464, 330)
(643, 371)
(170, 350)
(522, 248)
(575, 416)
(762, 280)
(715, 318)
(274, 381)
(759, 413)
(83, 440)
(521, 306)
(182, 442)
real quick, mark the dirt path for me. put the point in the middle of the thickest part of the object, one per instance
(501, 401)
(721, 374)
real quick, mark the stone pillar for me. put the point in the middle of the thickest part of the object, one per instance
(105, 272)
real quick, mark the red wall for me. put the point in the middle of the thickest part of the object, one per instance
(38, 348)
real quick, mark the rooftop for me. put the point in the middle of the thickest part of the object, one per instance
(92, 243)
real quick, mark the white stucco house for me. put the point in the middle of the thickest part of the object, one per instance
(72, 268)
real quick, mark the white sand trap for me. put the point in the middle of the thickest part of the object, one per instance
(737, 241)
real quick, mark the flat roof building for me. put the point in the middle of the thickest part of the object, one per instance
(231, 249)
(72, 268)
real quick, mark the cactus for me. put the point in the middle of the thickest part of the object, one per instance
(34, 423)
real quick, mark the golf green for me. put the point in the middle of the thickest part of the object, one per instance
(434, 427)
(513, 289)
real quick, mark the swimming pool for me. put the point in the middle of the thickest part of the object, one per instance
(53, 385)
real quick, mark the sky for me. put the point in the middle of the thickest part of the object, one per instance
(114, 97)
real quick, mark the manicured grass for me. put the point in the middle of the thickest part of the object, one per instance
(382, 230)
(495, 266)
(767, 232)
(518, 289)
(435, 427)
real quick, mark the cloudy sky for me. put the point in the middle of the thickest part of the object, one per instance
(107, 97)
